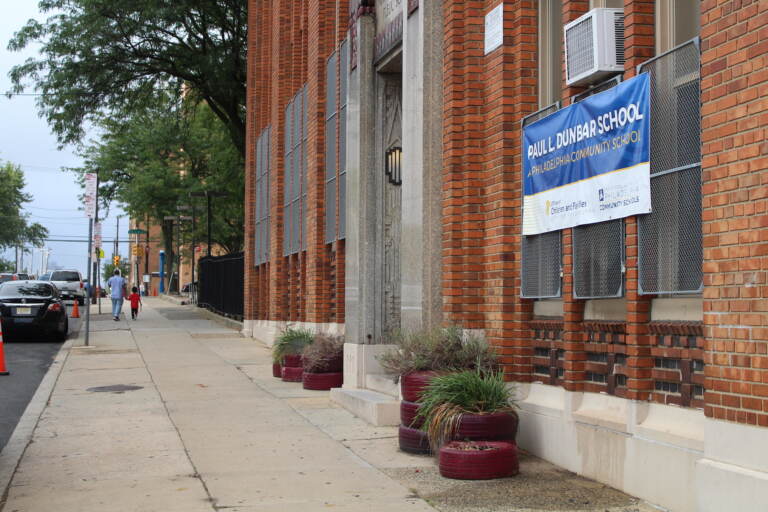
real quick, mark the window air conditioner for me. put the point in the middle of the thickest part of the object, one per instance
(594, 46)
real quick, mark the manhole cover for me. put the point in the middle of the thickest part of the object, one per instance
(116, 388)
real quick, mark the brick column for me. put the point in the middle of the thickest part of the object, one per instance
(734, 96)
(639, 45)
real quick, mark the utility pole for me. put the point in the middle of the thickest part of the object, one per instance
(97, 266)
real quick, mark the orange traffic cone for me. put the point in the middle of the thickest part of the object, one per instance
(76, 310)
(3, 369)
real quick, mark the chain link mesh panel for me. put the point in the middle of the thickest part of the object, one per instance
(670, 238)
(598, 260)
(598, 249)
(541, 254)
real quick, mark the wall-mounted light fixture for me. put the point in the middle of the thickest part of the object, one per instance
(393, 165)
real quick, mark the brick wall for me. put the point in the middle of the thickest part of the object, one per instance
(289, 42)
(734, 45)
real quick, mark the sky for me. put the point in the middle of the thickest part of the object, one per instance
(26, 140)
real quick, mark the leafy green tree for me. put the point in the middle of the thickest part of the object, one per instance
(151, 160)
(15, 228)
(108, 269)
(6, 266)
(102, 56)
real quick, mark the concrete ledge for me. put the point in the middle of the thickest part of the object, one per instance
(179, 300)
(376, 408)
(382, 384)
(227, 322)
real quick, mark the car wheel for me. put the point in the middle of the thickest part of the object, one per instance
(61, 335)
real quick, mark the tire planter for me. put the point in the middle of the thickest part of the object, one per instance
(413, 440)
(498, 426)
(408, 411)
(292, 374)
(412, 384)
(292, 361)
(498, 462)
(322, 381)
(277, 370)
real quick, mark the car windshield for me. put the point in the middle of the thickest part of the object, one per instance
(64, 275)
(45, 277)
(21, 289)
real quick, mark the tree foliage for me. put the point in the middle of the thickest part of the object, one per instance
(152, 160)
(113, 55)
(15, 228)
(108, 269)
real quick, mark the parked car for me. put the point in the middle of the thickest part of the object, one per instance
(33, 307)
(8, 276)
(70, 284)
(21, 276)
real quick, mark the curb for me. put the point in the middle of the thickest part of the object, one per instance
(11, 455)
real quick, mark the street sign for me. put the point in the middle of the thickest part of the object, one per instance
(90, 195)
(137, 231)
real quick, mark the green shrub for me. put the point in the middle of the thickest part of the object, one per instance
(324, 354)
(291, 342)
(439, 350)
(448, 397)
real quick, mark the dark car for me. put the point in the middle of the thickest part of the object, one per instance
(33, 308)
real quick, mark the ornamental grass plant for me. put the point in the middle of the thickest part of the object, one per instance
(324, 354)
(441, 350)
(291, 342)
(448, 397)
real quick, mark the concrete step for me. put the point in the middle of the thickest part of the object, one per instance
(378, 409)
(382, 384)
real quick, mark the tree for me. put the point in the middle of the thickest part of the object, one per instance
(151, 160)
(15, 228)
(6, 266)
(108, 269)
(112, 55)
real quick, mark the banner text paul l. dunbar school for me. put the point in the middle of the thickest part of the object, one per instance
(589, 162)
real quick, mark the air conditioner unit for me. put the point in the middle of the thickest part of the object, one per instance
(594, 46)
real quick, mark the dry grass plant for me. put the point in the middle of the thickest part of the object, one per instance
(325, 353)
(442, 350)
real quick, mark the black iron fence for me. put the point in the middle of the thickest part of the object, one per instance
(220, 288)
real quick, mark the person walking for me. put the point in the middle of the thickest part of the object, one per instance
(117, 286)
(135, 299)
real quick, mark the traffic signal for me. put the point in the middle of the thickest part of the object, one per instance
(116, 260)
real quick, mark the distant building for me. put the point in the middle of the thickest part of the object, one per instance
(384, 190)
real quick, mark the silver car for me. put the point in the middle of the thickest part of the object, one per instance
(70, 284)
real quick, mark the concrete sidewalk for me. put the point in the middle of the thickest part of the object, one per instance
(174, 412)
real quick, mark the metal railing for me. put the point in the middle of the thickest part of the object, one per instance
(220, 288)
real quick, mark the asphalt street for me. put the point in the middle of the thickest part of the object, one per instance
(27, 361)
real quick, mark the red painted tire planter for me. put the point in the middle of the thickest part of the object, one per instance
(277, 370)
(412, 384)
(413, 440)
(292, 361)
(461, 464)
(322, 381)
(292, 374)
(487, 427)
(408, 411)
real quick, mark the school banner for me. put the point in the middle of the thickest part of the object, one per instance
(589, 162)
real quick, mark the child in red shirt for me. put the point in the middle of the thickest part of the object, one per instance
(135, 299)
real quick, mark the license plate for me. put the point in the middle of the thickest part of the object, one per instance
(23, 311)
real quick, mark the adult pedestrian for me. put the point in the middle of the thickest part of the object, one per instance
(116, 285)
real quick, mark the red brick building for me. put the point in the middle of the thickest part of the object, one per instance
(385, 190)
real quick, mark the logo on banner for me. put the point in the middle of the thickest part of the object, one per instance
(589, 162)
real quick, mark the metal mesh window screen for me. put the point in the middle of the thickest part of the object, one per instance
(343, 80)
(261, 228)
(598, 249)
(580, 47)
(598, 260)
(541, 254)
(670, 238)
(331, 161)
(294, 184)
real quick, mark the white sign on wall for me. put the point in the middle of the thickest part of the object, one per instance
(494, 28)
